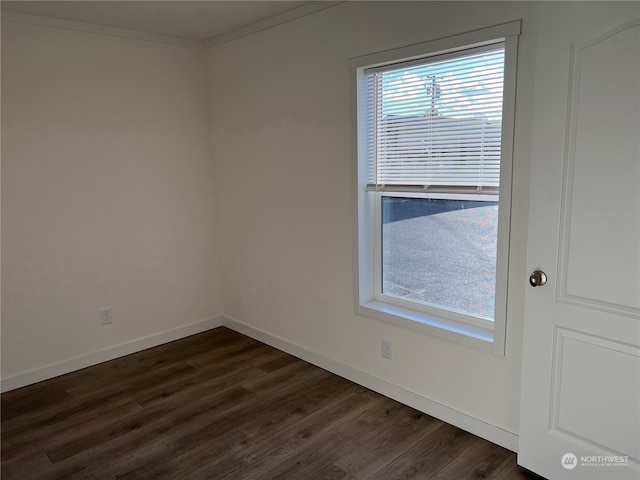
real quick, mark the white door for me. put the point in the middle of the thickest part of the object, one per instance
(580, 404)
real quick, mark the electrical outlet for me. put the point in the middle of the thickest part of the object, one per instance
(386, 349)
(106, 316)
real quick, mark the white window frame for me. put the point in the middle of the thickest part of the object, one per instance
(479, 333)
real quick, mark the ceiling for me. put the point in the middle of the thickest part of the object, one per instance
(193, 20)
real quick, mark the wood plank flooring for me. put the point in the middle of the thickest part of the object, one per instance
(220, 405)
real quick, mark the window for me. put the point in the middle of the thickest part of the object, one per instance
(435, 130)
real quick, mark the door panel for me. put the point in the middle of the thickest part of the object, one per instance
(584, 384)
(580, 405)
(602, 162)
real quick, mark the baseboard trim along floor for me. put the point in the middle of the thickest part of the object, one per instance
(104, 355)
(442, 412)
(447, 414)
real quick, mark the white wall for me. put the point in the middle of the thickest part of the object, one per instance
(107, 198)
(282, 106)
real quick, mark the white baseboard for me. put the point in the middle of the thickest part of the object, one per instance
(93, 358)
(447, 414)
(461, 420)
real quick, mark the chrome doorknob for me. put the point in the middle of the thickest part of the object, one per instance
(538, 278)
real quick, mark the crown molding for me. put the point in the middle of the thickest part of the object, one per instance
(22, 18)
(288, 16)
(284, 17)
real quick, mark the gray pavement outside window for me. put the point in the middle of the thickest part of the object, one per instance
(441, 253)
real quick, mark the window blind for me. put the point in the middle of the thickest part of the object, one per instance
(436, 122)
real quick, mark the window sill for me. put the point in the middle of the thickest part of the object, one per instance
(473, 336)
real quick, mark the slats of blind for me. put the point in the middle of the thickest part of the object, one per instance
(437, 123)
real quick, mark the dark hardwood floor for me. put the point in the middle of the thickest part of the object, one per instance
(220, 405)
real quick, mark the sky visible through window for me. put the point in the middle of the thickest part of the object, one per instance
(442, 117)
(454, 87)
